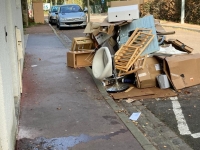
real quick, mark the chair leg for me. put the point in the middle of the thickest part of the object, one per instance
(117, 87)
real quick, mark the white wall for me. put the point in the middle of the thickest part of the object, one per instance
(10, 17)
(14, 19)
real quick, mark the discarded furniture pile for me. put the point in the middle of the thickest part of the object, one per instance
(132, 58)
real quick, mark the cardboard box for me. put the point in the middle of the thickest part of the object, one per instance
(182, 70)
(38, 12)
(116, 14)
(147, 76)
(91, 27)
(163, 81)
(77, 59)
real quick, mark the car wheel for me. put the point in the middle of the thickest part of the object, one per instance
(59, 27)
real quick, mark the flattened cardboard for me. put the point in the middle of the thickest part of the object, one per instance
(91, 27)
(146, 77)
(134, 92)
(158, 93)
(183, 70)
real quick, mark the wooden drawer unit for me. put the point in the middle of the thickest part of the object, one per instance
(77, 59)
(81, 43)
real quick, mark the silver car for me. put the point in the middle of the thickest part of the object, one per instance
(52, 14)
(71, 16)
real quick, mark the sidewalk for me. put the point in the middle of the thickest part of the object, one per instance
(61, 108)
(186, 26)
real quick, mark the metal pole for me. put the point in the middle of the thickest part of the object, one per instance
(182, 11)
(88, 6)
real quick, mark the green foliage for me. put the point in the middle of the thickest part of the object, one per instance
(171, 10)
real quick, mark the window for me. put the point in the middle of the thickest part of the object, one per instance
(71, 9)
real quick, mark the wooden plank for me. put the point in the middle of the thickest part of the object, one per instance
(139, 64)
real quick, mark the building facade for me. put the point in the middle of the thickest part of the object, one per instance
(11, 67)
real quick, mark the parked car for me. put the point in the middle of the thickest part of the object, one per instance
(71, 16)
(52, 15)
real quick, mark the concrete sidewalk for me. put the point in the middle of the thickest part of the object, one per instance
(61, 108)
(186, 26)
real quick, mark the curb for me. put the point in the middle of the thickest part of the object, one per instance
(180, 27)
(144, 142)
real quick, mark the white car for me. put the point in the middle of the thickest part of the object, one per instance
(71, 16)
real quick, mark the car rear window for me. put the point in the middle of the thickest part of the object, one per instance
(54, 9)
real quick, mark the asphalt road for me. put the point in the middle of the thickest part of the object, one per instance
(181, 114)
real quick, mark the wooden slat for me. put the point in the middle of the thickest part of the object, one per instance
(139, 64)
(129, 53)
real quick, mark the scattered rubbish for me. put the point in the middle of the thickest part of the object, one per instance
(186, 92)
(130, 100)
(163, 81)
(181, 46)
(169, 50)
(173, 98)
(135, 116)
(131, 56)
(129, 89)
(33, 65)
(146, 77)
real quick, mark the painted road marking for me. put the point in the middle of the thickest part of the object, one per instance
(182, 124)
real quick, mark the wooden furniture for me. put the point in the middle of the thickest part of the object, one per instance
(129, 53)
(78, 59)
(139, 64)
(81, 44)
